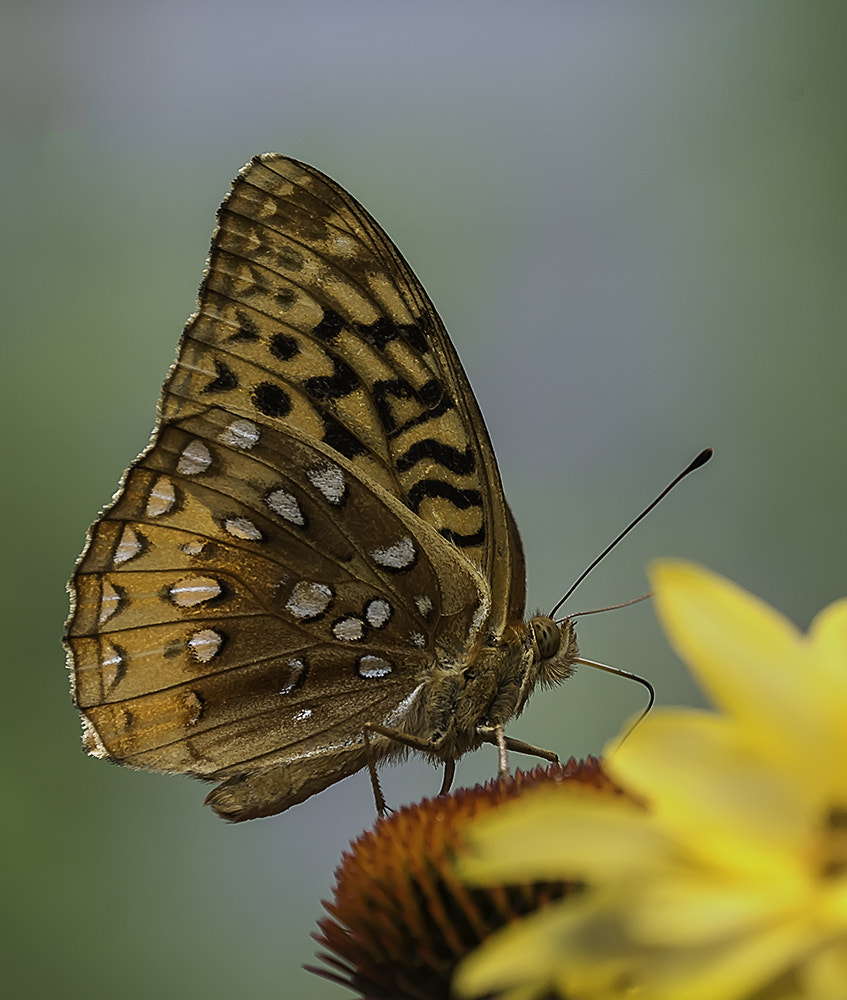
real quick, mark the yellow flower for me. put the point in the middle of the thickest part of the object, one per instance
(729, 880)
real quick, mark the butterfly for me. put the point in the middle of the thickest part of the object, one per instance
(312, 567)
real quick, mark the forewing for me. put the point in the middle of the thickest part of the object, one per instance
(309, 317)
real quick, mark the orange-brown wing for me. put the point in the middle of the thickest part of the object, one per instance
(309, 317)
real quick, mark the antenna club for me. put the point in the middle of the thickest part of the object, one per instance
(700, 460)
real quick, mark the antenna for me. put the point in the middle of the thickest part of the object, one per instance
(613, 607)
(700, 460)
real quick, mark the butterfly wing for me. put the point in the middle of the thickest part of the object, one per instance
(318, 516)
(310, 317)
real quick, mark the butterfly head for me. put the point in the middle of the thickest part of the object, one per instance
(555, 649)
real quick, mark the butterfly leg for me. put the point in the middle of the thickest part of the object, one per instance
(502, 755)
(498, 738)
(414, 743)
(449, 772)
(379, 798)
(520, 747)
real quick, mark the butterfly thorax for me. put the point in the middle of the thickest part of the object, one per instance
(459, 702)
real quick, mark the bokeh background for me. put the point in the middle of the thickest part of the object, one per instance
(633, 219)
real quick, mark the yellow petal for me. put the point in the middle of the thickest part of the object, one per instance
(824, 974)
(522, 955)
(701, 908)
(753, 663)
(582, 946)
(732, 970)
(556, 834)
(544, 953)
(828, 642)
(701, 782)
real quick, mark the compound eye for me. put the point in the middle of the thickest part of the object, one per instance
(547, 636)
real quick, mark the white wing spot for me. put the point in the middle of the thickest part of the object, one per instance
(424, 605)
(329, 480)
(194, 547)
(162, 497)
(241, 527)
(399, 556)
(110, 601)
(296, 670)
(195, 458)
(194, 590)
(309, 600)
(349, 629)
(378, 612)
(374, 666)
(205, 644)
(128, 547)
(417, 639)
(285, 504)
(113, 665)
(304, 713)
(242, 434)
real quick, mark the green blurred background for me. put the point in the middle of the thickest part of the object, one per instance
(632, 218)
